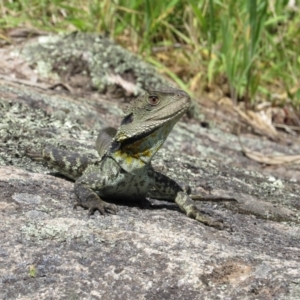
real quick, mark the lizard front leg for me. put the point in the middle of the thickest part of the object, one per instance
(167, 189)
(81, 168)
(85, 187)
(88, 199)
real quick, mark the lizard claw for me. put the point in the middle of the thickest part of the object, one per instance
(102, 206)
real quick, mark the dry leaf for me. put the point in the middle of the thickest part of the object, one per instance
(269, 159)
(260, 121)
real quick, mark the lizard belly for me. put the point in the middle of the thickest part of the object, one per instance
(127, 186)
(116, 183)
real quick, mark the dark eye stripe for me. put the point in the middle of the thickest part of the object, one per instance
(128, 119)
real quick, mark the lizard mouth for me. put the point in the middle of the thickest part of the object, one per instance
(138, 137)
(129, 141)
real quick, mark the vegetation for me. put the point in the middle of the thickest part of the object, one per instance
(250, 47)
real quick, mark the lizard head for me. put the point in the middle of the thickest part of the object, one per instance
(158, 109)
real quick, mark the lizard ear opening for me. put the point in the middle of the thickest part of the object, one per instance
(127, 120)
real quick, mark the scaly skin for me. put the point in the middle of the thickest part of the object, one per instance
(124, 169)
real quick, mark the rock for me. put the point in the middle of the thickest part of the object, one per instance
(48, 250)
(91, 61)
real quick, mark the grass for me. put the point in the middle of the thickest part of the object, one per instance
(248, 49)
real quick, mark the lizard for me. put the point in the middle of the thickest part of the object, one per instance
(123, 169)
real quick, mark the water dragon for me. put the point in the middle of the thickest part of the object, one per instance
(124, 168)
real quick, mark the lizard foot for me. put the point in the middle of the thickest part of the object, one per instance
(94, 205)
(206, 220)
(186, 204)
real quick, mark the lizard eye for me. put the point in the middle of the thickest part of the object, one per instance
(153, 100)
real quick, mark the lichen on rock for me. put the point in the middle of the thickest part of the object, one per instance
(77, 56)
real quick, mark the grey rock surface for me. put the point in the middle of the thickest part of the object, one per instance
(50, 251)
(91, 61)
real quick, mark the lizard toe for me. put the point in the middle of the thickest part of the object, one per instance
(110, 208)
(101, 206)
(93, 209)
(78, 204)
